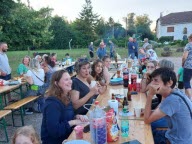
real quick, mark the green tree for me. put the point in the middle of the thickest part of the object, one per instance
(85, 24)
(27, 27)
(142, 24)
(130, 24)
(62, 33)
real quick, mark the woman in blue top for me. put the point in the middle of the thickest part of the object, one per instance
(187, 65)
(58, 115)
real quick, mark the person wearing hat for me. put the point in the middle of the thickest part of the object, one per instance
(101, 51)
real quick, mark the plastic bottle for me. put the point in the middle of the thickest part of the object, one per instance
(125, 78)
(124, 126)
(135, 61)
(98, 125)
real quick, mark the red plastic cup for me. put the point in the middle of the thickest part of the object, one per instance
(79, 132)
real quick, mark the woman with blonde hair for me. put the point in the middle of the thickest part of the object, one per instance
(58, 114)
(23, 67)
(25, 135)
(35, 77)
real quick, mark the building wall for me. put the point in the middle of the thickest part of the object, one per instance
(178, 30)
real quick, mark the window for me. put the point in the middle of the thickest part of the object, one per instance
(170, 29)
(185, 30)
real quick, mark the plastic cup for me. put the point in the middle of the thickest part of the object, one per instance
(79, 132)
(93, 83)
(137, 112)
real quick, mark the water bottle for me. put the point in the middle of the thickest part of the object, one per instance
(135, 61)
(98, 125)
(124, 126)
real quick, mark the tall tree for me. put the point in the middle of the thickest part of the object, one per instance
(131, 25)
(85, 24)
(62, 33)
(27, 27)
(142, 24)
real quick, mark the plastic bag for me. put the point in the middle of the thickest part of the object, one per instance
(112, 126)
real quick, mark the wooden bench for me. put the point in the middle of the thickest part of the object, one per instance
(4, 113)
(19, 105)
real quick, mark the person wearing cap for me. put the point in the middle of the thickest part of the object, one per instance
(101, 51)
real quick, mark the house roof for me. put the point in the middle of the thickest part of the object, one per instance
(176, 18)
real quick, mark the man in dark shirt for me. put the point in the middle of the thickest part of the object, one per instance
(131, 48)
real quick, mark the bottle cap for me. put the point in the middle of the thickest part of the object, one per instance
(96, 102)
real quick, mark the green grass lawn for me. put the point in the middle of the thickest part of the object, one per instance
(15, 57)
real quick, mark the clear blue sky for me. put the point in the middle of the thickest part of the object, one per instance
(115, 8)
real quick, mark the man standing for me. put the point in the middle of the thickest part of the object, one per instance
(136, 47)
(131, 48)
(112, 50)
(175, 107)
(91, 50)
(101, 51)
(5, 70)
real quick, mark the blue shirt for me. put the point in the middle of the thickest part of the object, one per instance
(91, 48)
(55, 127)
(188, 61)
(130, 46)
(178, 118)
(4, 63)
(136, 46)
(101, 52)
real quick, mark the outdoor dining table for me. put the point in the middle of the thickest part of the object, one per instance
(138, 130)
(10, 88)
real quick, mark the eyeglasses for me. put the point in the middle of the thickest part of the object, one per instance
(150, 67)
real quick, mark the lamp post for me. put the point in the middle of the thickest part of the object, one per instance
(70, 44)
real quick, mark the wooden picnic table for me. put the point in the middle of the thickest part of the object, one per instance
(137, 129)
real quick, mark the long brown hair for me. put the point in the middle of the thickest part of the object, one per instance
(98, 77)
(27, 131)
(54, 89)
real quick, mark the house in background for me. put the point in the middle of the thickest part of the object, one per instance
(178, 25)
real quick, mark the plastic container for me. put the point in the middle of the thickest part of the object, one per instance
(124, 126)
(98, 125)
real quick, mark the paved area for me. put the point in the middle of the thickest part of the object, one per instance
(36, 118)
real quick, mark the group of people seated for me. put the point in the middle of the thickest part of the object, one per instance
(61, 93)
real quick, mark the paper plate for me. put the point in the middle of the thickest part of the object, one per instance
(77, 142)
(116, 80)
(119, 96)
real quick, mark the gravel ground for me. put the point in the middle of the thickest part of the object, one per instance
(36, 118)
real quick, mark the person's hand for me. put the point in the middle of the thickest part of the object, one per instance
(3, 74)
(94, 90)
(82, 118)
(153, 89)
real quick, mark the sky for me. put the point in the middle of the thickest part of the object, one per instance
(117, 9)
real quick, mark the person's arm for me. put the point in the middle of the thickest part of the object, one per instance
(80, 102)
(151, 116)
(106, 76)
(185, 55)
(28, 77)
(144, 83)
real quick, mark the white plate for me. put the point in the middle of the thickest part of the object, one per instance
(77, 142)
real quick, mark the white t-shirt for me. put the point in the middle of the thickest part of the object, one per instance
(152, 55)
(40, 74)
